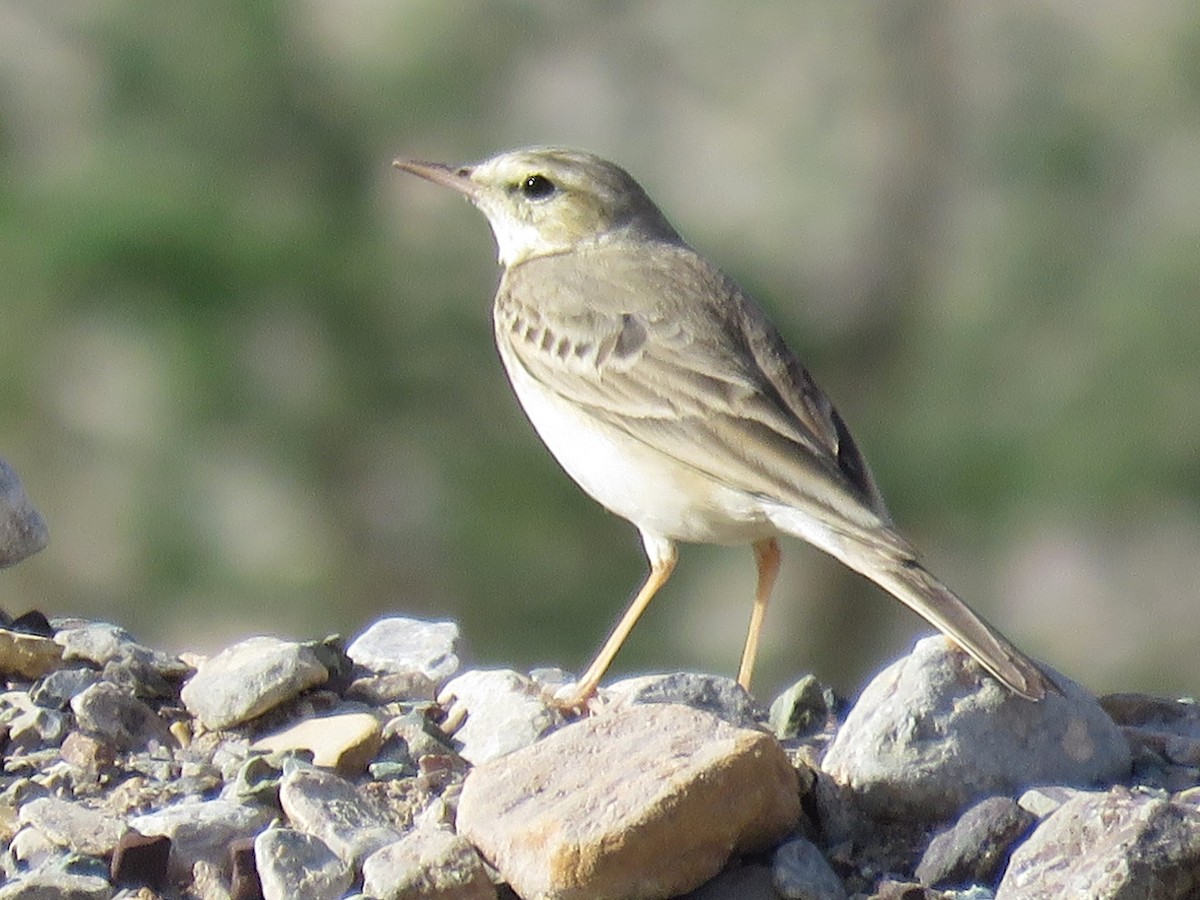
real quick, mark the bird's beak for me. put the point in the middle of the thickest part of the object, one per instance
(457, 178)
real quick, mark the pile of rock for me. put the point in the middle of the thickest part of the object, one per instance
(283, 769)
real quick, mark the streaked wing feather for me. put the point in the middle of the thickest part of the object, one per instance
(750, 416)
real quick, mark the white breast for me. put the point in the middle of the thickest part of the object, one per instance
(654, 492)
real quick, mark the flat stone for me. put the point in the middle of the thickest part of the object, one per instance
(345, 742)
(73, 825)
(642, 801)
(932, 733)
(27, 656)
(427, 864)
(976, 848)
(1045, 799)
(328, 807)
(424, 652)
(1109, 845)
(23, 531)
(717, 694)
(124, 721)
(249, 678)
(202, 830)
(800, 871)
(51, 885)
(504, 711)
(293, 865)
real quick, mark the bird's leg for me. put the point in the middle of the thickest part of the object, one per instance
(663, 557)
(766, 555)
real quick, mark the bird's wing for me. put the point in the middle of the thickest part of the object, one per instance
(667, 349)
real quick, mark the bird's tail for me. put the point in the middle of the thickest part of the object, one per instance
(886, 559)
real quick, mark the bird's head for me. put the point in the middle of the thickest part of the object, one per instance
(542, 200)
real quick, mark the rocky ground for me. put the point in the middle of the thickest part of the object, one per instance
(378, 768)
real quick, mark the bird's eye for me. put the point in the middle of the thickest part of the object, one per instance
(537, 187)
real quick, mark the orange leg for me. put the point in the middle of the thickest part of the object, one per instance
(766, 555)
(662, 564)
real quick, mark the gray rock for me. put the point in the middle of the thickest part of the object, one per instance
(423, 652)
(36, 728)
(293, 865)
(202, 830)
(57, 886)
(249, 678)
(427, 864)
(127, 723)
(933, 733)
(56, 689)
(646, 800)
(329, 808)
(504, 711)
(976, 848)
(73, 825)
(107, 711)
(1105, 846)
(133, 667)
(800, 872)
(23, 531)
(32, 848)
(721, 696)
(805, 708)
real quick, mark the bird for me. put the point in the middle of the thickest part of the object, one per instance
(669, 397)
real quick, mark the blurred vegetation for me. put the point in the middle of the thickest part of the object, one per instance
(247, 368)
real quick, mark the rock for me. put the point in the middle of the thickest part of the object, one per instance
(751, 882)
(202, 830)
(503, 711)
(889, 889)
(424, 653)
(294, 865)
(56, 689)
(933, 733)
(1041, 801)
(721, 696)
(644, 800)
(249, 678)
(27, 656)
(32, 848)
(23, 531)
(345, 742)
(88, 753)
(975, 850)
(51, 885)
(427, 864)
(327, 807)
(36, 728)
(800, 871)
(72, 825)
(1109, 845)
(141, 861)
(805, 708)
(244, 883)
(127, 723)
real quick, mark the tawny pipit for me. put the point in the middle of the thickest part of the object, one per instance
(666, 394)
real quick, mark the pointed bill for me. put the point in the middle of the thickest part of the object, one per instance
(456, 178)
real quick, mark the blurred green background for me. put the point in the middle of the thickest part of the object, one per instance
(247, 368)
